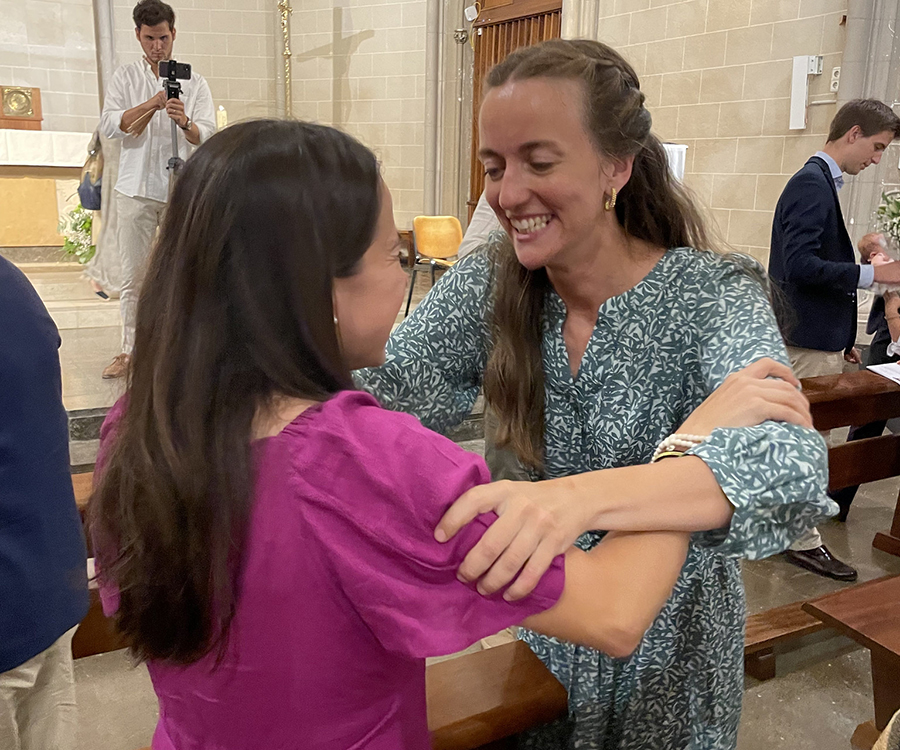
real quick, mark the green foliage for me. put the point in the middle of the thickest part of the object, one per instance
(75, 225)
(887, 216)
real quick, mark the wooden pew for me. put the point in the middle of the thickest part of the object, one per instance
(855, 398)
(484, 699)
(852, 398)
(869, 614)
(771, 628)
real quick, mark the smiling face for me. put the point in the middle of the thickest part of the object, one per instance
(545, 179)
(156, 41)
(863, 151)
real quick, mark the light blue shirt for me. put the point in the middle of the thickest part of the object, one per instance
(866, 272)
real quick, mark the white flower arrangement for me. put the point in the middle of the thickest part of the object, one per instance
(887, 217)
(75, 225)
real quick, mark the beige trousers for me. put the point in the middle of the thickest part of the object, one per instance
(811, 363)
(37, 701)
(136, 223)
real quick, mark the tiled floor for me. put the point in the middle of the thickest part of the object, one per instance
(822, 690)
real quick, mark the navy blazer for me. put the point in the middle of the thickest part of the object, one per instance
(43, 576)
(812, 262)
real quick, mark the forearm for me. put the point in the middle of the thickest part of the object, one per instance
(131, 116)
(677, 494)
(615, 592)
(193, 134)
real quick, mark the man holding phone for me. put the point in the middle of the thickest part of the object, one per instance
(136, 109)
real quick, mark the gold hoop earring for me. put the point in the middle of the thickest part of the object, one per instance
(611, 201)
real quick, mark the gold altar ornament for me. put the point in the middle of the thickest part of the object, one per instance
(17, 101)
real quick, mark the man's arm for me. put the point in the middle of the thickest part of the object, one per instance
(203, 111)
(804, 214)
(134, 120)
(202, 117)
(119, 115)
(175, 111)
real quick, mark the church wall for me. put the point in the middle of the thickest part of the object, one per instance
(717, 74)
(361, 67)
(49, 44)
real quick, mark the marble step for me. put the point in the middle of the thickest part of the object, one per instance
(22, 255)
(87, 313)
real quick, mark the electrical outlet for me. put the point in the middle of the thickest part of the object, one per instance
(835, 79)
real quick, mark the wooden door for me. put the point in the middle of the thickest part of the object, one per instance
(503, 26)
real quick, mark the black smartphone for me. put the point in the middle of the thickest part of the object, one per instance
(174, 70)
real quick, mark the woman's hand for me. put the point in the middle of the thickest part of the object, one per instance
(537, 521)
(540, 520)
(765, 390)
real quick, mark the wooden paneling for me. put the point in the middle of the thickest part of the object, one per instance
(502, 28)
(497, 11)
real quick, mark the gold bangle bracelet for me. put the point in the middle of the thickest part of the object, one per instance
(666, 454)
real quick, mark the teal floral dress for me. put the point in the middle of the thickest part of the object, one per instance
(657, 352)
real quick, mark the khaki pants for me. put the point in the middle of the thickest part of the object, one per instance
(136, 223)
(811, 363)
(37, 701)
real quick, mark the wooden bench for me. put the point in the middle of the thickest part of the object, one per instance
(771, 628)
(484, 699)
(852, 398)
(870, 615)
(855, 398)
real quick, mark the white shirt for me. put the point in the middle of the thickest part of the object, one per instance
(837, 174)
(142, 165)
(483, 222)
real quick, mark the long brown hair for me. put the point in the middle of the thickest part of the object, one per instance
(236, 309)
(653, 207)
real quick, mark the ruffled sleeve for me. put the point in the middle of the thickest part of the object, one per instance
(775, 474)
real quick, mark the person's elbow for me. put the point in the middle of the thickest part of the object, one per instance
(111, 125)
(621, 638)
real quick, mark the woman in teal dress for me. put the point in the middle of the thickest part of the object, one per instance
(596, 331)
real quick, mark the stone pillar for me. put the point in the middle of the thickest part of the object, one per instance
(105, 31)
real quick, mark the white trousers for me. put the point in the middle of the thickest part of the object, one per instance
(37, 701)
(811, 363)
(136, 222)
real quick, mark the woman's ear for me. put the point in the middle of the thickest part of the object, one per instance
(618, 171)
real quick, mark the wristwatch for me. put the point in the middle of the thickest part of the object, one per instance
(187, 125)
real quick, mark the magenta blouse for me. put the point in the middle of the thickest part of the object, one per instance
(344, 591)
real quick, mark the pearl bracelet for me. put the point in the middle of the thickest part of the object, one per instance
(677, 444)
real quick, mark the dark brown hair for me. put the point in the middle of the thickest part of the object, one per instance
(871, 115)
(653, 207)
(153, 12)
(236, 309)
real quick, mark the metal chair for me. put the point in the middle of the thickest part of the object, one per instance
(435, 242)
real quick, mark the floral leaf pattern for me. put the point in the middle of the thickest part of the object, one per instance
(657, 352)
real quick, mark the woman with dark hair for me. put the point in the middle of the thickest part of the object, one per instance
(597, 329)
(264, 533)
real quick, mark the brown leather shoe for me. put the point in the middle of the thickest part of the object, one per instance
(118, 368)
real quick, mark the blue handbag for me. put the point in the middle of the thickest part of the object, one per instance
(92, 176)
(89, 192)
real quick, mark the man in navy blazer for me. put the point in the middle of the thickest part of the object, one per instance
(813, 264)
